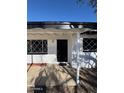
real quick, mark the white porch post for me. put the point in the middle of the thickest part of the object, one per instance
(78, 61)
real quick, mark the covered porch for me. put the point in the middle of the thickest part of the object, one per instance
(60, 44)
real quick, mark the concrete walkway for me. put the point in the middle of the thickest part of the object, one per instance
(52, 77)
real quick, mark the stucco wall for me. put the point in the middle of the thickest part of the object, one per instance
(51, 57)
(86, 59)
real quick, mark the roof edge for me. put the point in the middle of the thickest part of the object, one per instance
(59, 22)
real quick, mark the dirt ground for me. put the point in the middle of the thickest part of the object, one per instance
(51, 78)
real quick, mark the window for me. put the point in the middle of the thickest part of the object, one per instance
(37, 46)
(89, 45)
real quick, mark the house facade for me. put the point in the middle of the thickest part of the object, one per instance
(69, 42)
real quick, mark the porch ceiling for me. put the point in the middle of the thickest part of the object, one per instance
(56, 31)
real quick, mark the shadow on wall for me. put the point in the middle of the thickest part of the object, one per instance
(86, 59)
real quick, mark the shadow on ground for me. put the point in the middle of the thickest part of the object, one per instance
(49, 80)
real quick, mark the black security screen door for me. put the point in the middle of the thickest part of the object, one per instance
(62, 50)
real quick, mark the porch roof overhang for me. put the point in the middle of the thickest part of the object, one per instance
(57, 31)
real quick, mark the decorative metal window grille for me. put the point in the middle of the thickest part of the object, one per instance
(89, 45)
(37, 46)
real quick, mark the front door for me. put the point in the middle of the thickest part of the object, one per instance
(62, 50)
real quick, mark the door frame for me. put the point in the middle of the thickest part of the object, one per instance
(66, 45)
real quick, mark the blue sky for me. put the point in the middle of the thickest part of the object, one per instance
(59, 10)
